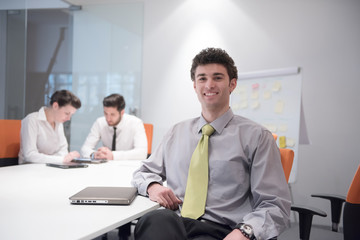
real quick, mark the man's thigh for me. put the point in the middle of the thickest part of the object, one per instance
(166, 224)
(160, 224)
(197, 230)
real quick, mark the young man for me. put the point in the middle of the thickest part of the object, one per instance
(247, 196)
(123, 136)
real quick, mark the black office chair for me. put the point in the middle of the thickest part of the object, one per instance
(351, 214)
(305, 219)
(336, 202)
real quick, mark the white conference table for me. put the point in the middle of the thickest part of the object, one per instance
(34, 201)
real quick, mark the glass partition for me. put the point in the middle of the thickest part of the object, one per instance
(14, 53)
(107, 54)
(93, 51)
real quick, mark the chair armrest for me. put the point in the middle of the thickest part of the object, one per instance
(308, 210)
(305, 219)
(336, 207)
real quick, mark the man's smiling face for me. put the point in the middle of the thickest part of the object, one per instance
(213, 86)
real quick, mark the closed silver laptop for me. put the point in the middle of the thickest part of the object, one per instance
(105, 195)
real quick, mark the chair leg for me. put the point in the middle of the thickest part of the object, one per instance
(336, 209)
(305, 222)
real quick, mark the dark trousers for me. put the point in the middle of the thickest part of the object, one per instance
(165, 224)
(124, 232)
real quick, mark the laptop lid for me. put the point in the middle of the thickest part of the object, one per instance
(105, 195)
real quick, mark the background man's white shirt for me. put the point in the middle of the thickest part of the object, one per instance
(131, 141)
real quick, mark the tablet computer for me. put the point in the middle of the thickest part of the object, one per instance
(67, 165)
(88, 160)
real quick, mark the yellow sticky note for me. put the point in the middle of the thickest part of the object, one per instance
(272, 127)
(243, 96)
(244, 104)
(255, 95)
(255, 105)
(283, 128)
(282, 142)
(267, 95)
(279, 107)
(276, 86)
(241, 89)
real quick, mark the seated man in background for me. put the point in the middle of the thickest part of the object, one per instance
(42, 133)
(123, 136)
(232, 186)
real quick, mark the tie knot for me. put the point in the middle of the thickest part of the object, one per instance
(207, 130)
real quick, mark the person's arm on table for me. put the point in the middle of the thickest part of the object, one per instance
(149, 180)
(91, 141)
(64, 149)
(29, 130)
(139, 150)
(163, 195)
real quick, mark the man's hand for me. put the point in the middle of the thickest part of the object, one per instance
(163, 195)
(70, 156)
(235, 235)
(104, 153)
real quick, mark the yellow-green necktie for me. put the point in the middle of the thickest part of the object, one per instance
(197, 181)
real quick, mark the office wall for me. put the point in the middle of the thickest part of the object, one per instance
(322, 37)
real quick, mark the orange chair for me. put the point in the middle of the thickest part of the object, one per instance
(305, 213)
(287, 159)
(351, 222)
(149, 128)
(9, 142)
(351, 212)
(275, 136)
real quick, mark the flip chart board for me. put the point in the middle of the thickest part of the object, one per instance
(272, 98)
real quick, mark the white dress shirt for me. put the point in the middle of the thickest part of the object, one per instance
(131, 141)
(40, 142)
(246, 179)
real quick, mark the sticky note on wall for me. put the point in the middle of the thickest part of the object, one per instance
(276, 86)
(267, 94)
(282, 142)
(279, 107)
(290, 142)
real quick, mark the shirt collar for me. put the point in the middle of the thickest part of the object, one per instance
(42, 117)
(41, 114)
(218, 124)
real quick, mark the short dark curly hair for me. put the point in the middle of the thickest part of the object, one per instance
(214, 55)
